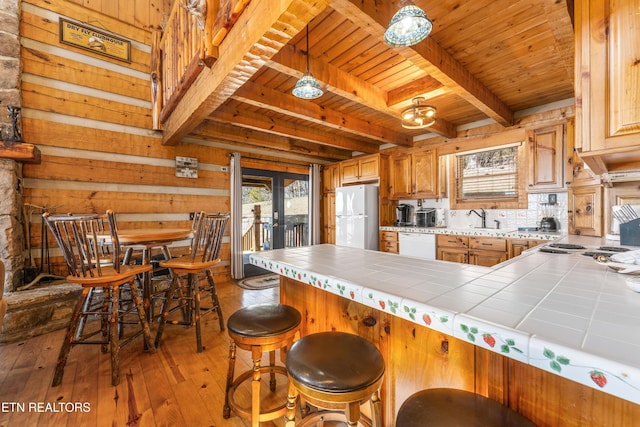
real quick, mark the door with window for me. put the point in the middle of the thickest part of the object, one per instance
(275, 212)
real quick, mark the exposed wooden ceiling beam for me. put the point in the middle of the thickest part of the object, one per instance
(249, 44)
(429, 56)
(276, 126)
(263, 97)
(293, 62)
(210, 130)
(426, 87)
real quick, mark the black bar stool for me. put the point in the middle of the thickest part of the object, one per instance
(453, 408)
(259, 329)
(335, 372)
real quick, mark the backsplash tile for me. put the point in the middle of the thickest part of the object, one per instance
(509, 218)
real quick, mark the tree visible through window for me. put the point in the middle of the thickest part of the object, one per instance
(487, 175)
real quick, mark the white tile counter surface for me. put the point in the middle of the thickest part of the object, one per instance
(563, 313)
(493, 232)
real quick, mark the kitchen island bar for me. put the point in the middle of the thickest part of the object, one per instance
(553, 336)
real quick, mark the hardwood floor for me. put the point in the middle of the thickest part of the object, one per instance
(173, 387)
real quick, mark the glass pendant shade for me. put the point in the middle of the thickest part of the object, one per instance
(418, 116)
(307, 88)
(408, 26)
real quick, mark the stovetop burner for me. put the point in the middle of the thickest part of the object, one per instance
(613, 249)
(565, 246)
(553, 251)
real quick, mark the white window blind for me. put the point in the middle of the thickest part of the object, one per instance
(488, 174)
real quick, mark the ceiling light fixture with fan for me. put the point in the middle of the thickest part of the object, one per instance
(418, 116)
(409, 26)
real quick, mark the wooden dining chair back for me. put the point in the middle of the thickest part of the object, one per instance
(91, 250)
(208, 233)
(184, 296)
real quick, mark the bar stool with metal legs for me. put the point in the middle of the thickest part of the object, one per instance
(335, 372)
(451, 407)
(259, 328)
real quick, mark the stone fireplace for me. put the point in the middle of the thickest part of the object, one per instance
(23, 313)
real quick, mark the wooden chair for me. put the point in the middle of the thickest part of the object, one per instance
(185, 297)
(81, 239)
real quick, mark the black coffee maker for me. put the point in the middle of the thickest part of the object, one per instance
(404, 215)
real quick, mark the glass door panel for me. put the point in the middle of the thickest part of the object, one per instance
(275, 212)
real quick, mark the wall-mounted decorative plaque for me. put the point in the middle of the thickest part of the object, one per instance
(186, 167)
(95, 40)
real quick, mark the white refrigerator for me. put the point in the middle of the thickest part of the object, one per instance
(357, 216)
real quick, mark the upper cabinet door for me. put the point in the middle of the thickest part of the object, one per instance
(360, 169)
(425, 174)
(400, 177)
(546, 160)
(414, 175)
(607, 82)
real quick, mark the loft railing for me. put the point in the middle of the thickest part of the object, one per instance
(188, 43)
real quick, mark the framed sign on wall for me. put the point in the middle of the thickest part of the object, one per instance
(95, 40)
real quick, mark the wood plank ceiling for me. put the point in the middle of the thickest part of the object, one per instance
(484, 59)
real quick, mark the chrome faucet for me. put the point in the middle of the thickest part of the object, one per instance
(483, 216)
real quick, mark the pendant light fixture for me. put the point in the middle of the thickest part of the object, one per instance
(408, 26)
(307, 87)
(418, 116)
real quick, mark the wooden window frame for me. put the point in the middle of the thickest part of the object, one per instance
(520, 201)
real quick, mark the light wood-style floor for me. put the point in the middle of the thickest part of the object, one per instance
(173, 387)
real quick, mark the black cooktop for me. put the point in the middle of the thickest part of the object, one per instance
(565, 246)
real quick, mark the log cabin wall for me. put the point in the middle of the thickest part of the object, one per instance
(90, 115)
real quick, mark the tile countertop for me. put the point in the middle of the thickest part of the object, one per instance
(493, 232)
(563, 313)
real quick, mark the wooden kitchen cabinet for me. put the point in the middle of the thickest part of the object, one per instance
(389, 242)
(360, 169)
(414, 175)
(578, 174)
(480, 250)
(546, 159)
(607, 78)
(585, 210)
(330, 178)
(487, 251)
(330, 181)
(452, 248)
(516, 246)
(329, 227)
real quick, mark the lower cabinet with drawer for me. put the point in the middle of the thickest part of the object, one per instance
(452, 248)
(517, 246)
(487, 251)
(389, 241)
(480, 250)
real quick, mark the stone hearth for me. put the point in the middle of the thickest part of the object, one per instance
(40, 309)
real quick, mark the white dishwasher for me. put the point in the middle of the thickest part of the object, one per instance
(417, 245)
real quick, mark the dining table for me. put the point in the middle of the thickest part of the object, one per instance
(146, 240)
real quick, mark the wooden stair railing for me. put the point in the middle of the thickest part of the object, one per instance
(188, 43)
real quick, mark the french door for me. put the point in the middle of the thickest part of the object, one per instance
(275, 211)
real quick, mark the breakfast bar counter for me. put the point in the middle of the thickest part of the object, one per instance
(562, 323)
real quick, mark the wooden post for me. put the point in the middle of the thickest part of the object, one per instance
(257, 222)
